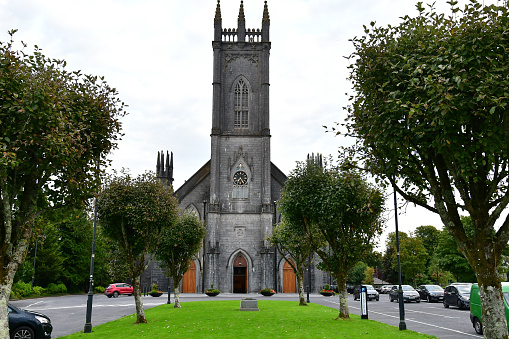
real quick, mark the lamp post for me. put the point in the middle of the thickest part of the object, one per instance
(35, 257)
(402, 324)
(88, 320)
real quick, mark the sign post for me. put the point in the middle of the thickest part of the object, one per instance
(364, 302)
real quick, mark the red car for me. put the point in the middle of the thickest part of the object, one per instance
(114, 290)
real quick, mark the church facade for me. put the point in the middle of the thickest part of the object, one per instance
(234, 193)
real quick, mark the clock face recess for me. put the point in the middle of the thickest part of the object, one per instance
(240, 178)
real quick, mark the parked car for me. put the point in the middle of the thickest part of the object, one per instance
(385, 289)
(431, 293)
(350, 288)
(457, 295)
(116, 289)
(28, 324)
(475, 306)
(409, 294)
(371, 293)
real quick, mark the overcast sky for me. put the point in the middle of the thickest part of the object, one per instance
(158, 54)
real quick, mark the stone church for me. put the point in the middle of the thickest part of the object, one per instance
(234, 193)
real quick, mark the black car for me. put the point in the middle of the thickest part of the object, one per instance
(28, 325)
(431, 293)
(457, 295)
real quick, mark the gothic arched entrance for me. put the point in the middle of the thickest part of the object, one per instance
(189, 279)
(240, 274)
(289, 279)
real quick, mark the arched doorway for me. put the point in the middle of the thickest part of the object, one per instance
(240, 274)
(289, 279)
(189, 279)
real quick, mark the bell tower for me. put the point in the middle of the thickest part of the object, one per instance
(240, 209)
(240, 112)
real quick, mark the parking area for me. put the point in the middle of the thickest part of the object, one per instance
(67, 313)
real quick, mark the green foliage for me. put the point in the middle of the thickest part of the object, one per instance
(49, 261)
(55, 126)
(21, 289)
(290, 241)
(413, 258)
(368, 275)
(99, 289)
(356, 273)
(450, 258)
(134, 213)
(429, 237)
(38, 291)
(430, 113)
(337, 211)
(179, 245)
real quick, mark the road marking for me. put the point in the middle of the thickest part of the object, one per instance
(84, 305)
(415, 321)
(34, 303)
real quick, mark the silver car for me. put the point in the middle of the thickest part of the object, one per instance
(409, 294)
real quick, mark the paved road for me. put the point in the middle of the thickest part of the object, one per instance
(67, 313)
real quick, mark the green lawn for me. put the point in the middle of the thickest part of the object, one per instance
(222, 319)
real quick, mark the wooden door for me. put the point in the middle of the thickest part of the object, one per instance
(240, 275)
(189, 279)
(289, 279)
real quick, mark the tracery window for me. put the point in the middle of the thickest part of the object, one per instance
(241, 110)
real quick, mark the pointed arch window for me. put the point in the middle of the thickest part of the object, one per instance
(241, 113)
(240, 183)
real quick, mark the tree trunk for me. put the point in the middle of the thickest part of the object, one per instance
(176, 288)
(5, 292)
(140, 312)
(300, 286)
(343, 296)
(494, 322)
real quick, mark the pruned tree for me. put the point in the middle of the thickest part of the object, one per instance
(55, 126)
(340, 214)
(430, 114)
(179, 245)
(291, 245)
(134, 213)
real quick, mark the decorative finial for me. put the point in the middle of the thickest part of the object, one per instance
(218, 13)
(266, 13)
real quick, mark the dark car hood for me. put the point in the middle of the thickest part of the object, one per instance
(34, 313)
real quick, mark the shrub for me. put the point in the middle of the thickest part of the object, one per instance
(52, 289)
(38, 291)
(326, 287)
(61, 289)
(22, 290)
(99, 289)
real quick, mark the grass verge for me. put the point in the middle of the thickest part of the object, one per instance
(222, 319)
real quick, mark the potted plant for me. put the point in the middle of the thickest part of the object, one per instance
(212, 292)
(155, 292)
(268, 292)
(326, 291)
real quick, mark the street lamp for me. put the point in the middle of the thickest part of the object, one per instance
(402, 324)
(35, 257)
(88, 319)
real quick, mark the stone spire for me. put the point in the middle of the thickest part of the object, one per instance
(265, 23)
(241, 30)
(218, 23)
